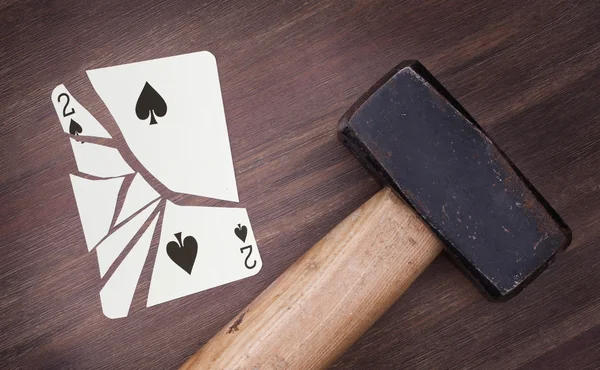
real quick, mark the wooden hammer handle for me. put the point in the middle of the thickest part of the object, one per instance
(328, 298)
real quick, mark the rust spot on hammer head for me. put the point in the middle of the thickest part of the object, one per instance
(417, 139)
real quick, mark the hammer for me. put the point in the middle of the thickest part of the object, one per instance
(446, 185)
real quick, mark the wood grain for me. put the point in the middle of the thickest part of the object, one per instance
(328, 298)
(527, 71)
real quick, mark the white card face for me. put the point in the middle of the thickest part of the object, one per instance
(117, 293)
(115, 243)
(139, 194)
(171, 114)
(99, 160)
(74, 118)
(200, 248)
(96, 201)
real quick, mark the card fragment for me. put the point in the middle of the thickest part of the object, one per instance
(201, 248)
(117, 294)
(139, 194)
(99, 160)
(74, 118)
(171, 115)
(96, 201)
(115, 243)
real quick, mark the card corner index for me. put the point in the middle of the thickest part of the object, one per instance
(259, 265)
(74, 118)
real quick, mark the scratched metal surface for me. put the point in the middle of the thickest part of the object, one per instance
(416, 138)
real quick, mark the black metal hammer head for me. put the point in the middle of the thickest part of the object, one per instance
(417, 139)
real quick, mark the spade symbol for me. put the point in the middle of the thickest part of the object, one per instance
(75, 128)
(241, 232)
(150, 103)
(183, 254)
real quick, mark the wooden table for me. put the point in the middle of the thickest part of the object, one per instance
(528, 71)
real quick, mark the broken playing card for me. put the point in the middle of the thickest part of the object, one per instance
(201, 248)
(171, 115)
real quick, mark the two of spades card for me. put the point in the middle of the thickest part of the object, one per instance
(170, 113)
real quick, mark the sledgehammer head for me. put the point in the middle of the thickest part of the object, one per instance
(415, 138)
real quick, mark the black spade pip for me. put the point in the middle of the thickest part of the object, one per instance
(241, 232)
(150, 104)
(74, 128)
(183, 253)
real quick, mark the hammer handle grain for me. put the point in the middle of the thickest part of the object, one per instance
(328, 298)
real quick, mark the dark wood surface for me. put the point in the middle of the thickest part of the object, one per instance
(528, 71)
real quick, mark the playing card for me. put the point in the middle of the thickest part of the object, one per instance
(99, 160)
(139, 194)
(117, 293)
(74, 118)
(111, 247)
(171, 115)
(200, 248)
(96, 201)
